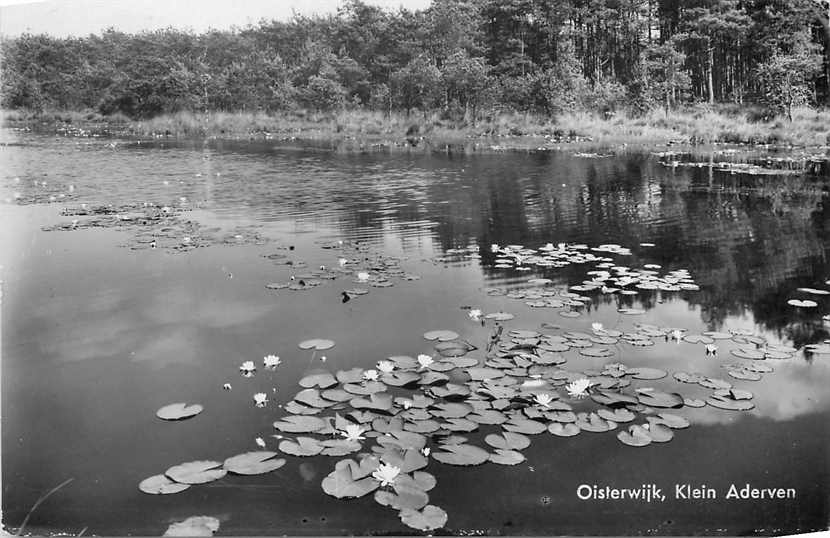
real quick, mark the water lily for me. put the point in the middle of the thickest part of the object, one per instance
(227, 386)
(543, 399)
(342, 261)
(353, 432)
(425, 451)
(494, 248)
(260, 442)
(385, 366)
(597, 327)
(677, 335)
(407, 404)
(386, 474)
(248, 368)
(425, 361)
(261, 399)
(271, 361)
(363, 276)
(578, 388)
(711, 349)
(370, 375)
(475, 314)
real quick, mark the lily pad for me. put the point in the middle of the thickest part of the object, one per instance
(670, 420)
(455, 348)
(646, 373)
(193, 526)
(196, 472)
(161, 485)
(592, 422)
(616, 415)
(807, 303)
(659, 433)
(178, 411)
(317, 343)
(302, 447)
(403, 440)
(341, 484)
(411, 460)
(635, 436)
(355, 375)
(507, 441)
(563, 430)
(656, 398)
(312, 398)
(441, 335)
(500, 316)
(252, 463)
(403, 498)
(300, 424)
(375, 402)
(523, 425)
(428, 519)
(723, 402)
(507, 457)
(462, 454)
(747, 353)
(324, 380)
(480, 374)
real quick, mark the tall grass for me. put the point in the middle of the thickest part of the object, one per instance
(693, 125)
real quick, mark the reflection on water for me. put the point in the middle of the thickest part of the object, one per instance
(97, 336)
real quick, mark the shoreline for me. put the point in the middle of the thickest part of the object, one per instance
(361, 130)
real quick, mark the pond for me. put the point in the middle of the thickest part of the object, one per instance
(640, 305)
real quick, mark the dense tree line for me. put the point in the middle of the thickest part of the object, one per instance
(463, 57)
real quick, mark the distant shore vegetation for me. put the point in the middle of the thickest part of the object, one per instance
(754, 71)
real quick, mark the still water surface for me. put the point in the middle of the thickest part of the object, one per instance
(99, 331)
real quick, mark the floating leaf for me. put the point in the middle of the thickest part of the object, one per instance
(196, 472)
(522, 425)
(400, 379)
(317, 343)
(616, 415)
(461, 455)
(724, 402)
(424, 480)
(698, 339)
(440, 335)
(375, 402)
(507, 441)
(161, 485)
(656, 398)
(251, 463)
(300, 424)
(422, 426)
(302, 447)
(693, 402)
(635, 436)
(403, 498)
(814, 291)
(563, 430)
(428, 519)
(670, 420)
(500, 316)
(646, 373)
(451, 410)
(456, 348)
(507, 457)
(312, 398)
(403, 440)
(592, 422)
(481, 374)
(193, 526)
(460, 425)
(412, 459)
(487, 416)
(355, 375)
(596, 352)
(178, 411)
(324, 380)
(746, 353)
(341, 484)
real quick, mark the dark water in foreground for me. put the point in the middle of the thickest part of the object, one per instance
(99, 331)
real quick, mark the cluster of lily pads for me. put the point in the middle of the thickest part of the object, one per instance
(461, 405)
(356, 260)
(156, 226)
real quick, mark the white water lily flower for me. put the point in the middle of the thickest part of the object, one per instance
(677, 334)
(711, 349)
(425, 361)
(271, 361)
(247, 367)
(425, 451)
(578, 388)
(543, 398)
(261, 399)
(386, 474)
(597, 327)
(475, 314)
(407, 404)
(353, 432)
(363, 276)
(494, 248)
(227, 386)
(370, 375)
(385, 366)
(260, 442)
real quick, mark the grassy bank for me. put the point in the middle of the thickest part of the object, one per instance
(809, 128)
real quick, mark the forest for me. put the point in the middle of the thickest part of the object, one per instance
(463, 58)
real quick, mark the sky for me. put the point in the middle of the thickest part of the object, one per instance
(82, 17)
